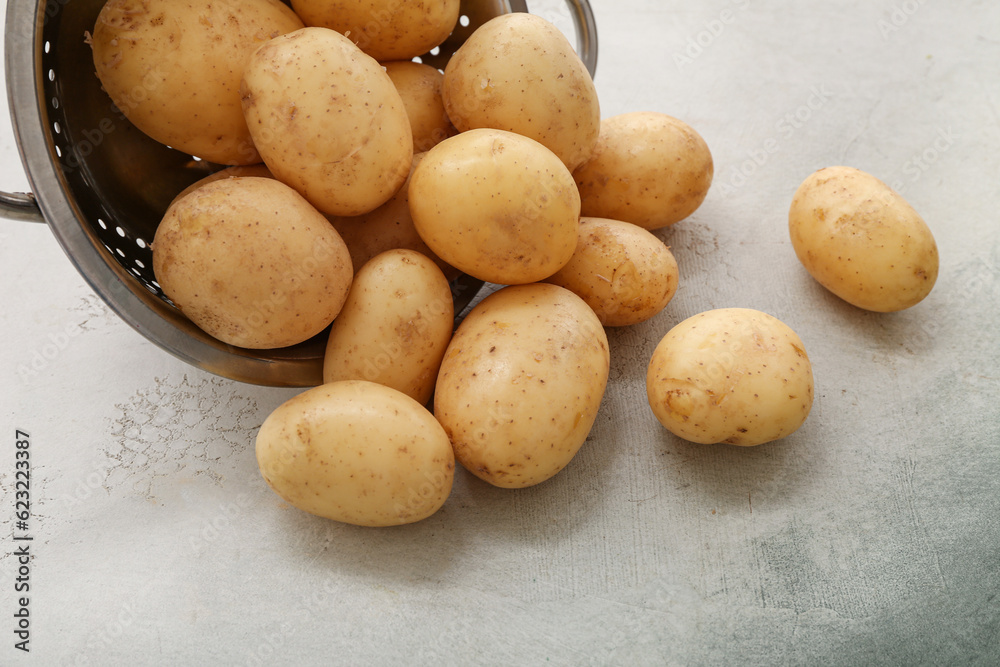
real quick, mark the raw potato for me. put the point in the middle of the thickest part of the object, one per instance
(622, 271)
(521, 383)
(395, 325)
(327, 121)
(496, 205)
(173, 67)
(420, 87)
(388, 227)
(733, 375)
(385, 29)
(862, 241)
(518, 72)
(648, 169)
(257, 170)
(251, 263)
(357, 452)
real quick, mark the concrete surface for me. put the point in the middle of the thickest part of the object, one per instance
(870, 536)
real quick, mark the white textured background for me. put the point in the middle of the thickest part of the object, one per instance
(870, 536)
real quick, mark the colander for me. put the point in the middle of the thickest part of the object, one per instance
(102, 185)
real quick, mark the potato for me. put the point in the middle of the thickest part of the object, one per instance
(496, 205)
(173, 67)
(250, 262)
(622, 271)
(257, 170)
(862, 241)
(521, 383)
(518, 72)
(395, 325)
(388, 227)
(648, 169)
(327, 120)
(357, 452)
(385, 29)
(732, 375)
(420, 87)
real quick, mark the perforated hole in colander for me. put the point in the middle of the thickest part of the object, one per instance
(121, 180)
(111, 184)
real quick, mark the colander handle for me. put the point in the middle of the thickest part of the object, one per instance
(20, 206)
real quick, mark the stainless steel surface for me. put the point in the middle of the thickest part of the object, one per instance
(103, 186)
(20, 206)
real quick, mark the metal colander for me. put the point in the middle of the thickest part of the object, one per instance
(103, 186)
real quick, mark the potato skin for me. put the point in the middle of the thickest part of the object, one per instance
(521, 383)
(385, 29)
(327, 120)
(388, 227)
(395, 325)
(862, 241)
(732, 375)
(357, 452)
(622, 271)
(519, 73)
(419, 86)
(173, 67)
(647, 168)
(496, 205)
(255, 170)
(251, 263)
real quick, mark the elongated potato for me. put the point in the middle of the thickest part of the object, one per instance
(521, 383)
(862, 241)
(357, 452)
(327, 120)
(732, 375)
(395, 325)
(420, 87)
(173, 67)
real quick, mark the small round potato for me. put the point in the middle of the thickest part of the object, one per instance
(251, 263)
(521, 383)
(496, 205)
(420, 87)
(173, 67)
(385, 29)
(357, 452)
(518, 72)
(733, 375)
(648, 169)
(327, 120)
(395, 325)
(862, 241)
(622, 271)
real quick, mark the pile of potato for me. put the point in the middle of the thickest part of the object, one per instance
(360, 183)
